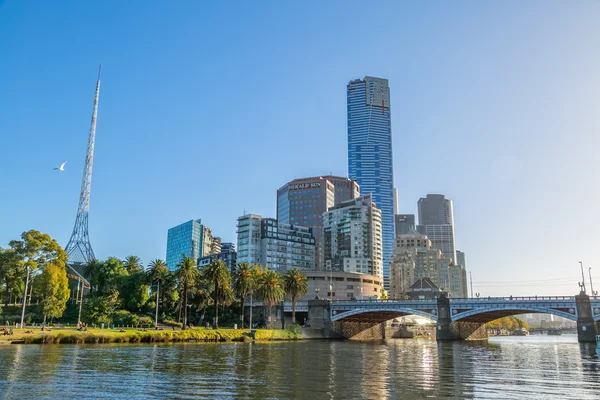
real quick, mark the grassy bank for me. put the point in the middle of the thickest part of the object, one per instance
(72, 335)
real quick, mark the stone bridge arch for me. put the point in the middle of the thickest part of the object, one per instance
(488, 314)
(378, 315)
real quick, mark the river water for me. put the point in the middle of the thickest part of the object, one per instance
(534, 367)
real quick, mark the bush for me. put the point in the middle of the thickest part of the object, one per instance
(145, 320)
(171, 322)
(123, 317)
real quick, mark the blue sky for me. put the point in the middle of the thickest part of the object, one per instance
(206, 109)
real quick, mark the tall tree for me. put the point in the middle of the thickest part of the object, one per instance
(201, 297)
(270, 289)
(132, 264)
(93, 273)
(111, 275)
(243, 283)
(10, 274)
(157, 273)
(217, 274)
(296, 284)
(54, 289)
(186, 273)
(133, 290)
(36, 249)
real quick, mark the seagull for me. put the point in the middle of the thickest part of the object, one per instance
(61, 168)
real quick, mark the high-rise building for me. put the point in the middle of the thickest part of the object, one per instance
(461, 259)
(352, 237)
(184, 240)
(370, 160)
(191, 239)
(405, 223)
(227, 254)
(414, 258)
(248, 238)
(303, 202)
(436, 220)
(275, 245)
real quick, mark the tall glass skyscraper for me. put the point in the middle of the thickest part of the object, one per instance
(370, 160)
(184, 239)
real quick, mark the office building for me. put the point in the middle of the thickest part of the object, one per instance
(458, 281)
(415, 258)
(275, 245)
(286, 246)
(303, 202)
(345, 286)
(352, 237)
(404, 223)
(227, 254)
(461, 259)
(184, 239)
(370, 160)
(248, 238)
(436, 220)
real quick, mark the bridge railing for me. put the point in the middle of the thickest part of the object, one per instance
(511, 298)
(383, 300)
(508, 298)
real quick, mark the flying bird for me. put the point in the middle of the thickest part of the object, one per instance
(61, 168)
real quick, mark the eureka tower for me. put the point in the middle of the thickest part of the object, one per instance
(370, 161)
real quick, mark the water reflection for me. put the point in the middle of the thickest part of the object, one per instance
(506, 368)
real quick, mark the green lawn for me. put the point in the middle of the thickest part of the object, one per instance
(96, 335)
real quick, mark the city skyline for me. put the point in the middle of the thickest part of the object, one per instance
(500, 122)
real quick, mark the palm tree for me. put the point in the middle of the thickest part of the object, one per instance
(157, 272)
(296, 285)
(186, 273)
(132, 263)
(201, 297)
(218, 275)
(243, 283)
(270, 289)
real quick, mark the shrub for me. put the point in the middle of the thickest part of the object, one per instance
(145, 321)
(123, 317)
(171, 322)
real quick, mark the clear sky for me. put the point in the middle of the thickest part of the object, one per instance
(206, 109)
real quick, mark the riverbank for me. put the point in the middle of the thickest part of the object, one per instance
(97, 336)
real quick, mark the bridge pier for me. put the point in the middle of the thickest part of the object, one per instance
(448, 330)
(586, 327)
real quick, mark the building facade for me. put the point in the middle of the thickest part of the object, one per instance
(191, 239)
(461, 259)
(275, 245)
(352, 237)
(404, 223)
(303, 202)
(227, 254)
(286, 246)
(345, 286)
(370, 160)
(436, 220)
(415, 258)
(248, 238)
(184, 239)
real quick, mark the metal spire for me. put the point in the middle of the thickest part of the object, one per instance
(79, 248)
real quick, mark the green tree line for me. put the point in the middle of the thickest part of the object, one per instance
(129, 293)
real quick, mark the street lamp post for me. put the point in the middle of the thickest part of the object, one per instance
(582, 277)
(471, 278)
(250, 311)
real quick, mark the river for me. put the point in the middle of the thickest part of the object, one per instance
(534, 367)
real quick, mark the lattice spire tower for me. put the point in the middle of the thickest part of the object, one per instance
(79, 247)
